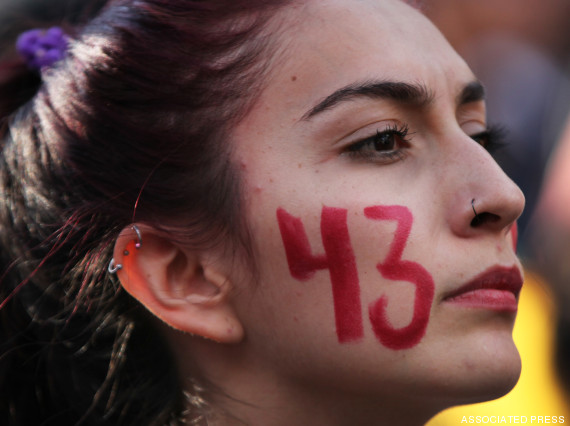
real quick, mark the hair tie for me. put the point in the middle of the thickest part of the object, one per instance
(42, 48)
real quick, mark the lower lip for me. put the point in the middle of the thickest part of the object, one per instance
(492, 299)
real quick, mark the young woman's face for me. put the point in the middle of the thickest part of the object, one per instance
(364, 165)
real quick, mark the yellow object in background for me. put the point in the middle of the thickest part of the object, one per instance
(538, 397)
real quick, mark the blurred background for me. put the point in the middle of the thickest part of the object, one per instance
(520, 50)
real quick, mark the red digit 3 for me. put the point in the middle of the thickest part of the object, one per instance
(394, 268)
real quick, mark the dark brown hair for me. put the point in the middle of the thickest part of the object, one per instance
(133, 125)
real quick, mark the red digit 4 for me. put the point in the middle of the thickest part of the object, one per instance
(339, 260)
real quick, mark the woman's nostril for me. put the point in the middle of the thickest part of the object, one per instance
(485, 217)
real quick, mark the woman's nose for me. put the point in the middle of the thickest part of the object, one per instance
(485, 199)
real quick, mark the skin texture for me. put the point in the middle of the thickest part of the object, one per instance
(285, 365)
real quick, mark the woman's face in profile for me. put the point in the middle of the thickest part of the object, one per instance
(364, 161)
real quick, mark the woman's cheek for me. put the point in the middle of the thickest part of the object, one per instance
(340, 261)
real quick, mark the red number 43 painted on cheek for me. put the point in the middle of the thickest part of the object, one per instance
(340, 261)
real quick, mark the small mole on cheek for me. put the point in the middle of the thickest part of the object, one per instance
(294, 78)
(300, 165)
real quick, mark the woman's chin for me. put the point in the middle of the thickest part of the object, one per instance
(488, 372)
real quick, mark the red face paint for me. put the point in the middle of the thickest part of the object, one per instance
(515, 235)
(302, 264)
(394, 268)
(339, 260)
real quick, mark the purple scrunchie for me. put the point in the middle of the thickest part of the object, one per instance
(42, 48)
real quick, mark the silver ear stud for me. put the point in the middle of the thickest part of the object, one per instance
(114, 267)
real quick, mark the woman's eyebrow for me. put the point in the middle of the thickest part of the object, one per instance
(412, 94)
(471, 92)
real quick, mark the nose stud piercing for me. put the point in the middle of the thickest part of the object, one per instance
(476, 219)
(114, 267)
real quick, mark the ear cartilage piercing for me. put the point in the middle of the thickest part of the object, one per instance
(114, 268)
(138, 244)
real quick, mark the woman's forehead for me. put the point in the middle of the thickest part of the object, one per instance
(328, 44)
(322, 19)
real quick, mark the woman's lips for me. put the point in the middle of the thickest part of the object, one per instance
(495, 289)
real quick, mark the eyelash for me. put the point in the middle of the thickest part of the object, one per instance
(399, 136)
(492, 139)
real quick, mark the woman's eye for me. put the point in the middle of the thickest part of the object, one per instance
(385, 141)
(491, 139)
(385, 145)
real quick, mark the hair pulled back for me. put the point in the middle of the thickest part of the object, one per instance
(18, 82)
(133, 125)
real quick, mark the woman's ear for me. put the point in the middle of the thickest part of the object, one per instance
(184, 288)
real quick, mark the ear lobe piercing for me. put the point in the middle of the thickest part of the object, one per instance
(114, 267)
